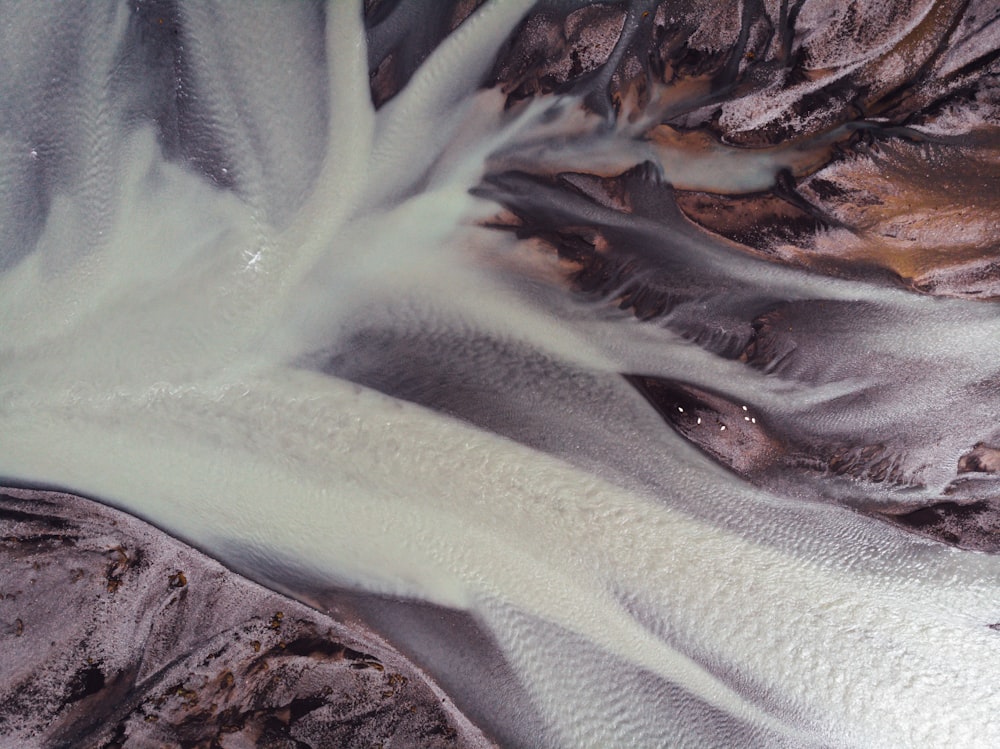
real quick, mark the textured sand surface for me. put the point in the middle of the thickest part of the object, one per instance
(629, 366)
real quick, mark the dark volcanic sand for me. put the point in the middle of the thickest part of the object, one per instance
(113, 634)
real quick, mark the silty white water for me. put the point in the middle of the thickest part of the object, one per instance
(152, 342)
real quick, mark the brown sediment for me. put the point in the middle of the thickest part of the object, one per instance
(927, 212)
(384, 80)
(970, 525)
(761, 222)
(887, 76)
(550, 51)
(982, 458)
(125, 637)
(876, 463)
(734, 434)
(858, 194)
(738, 437)
(709, 65)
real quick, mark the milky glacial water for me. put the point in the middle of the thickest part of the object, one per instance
(331, 345)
